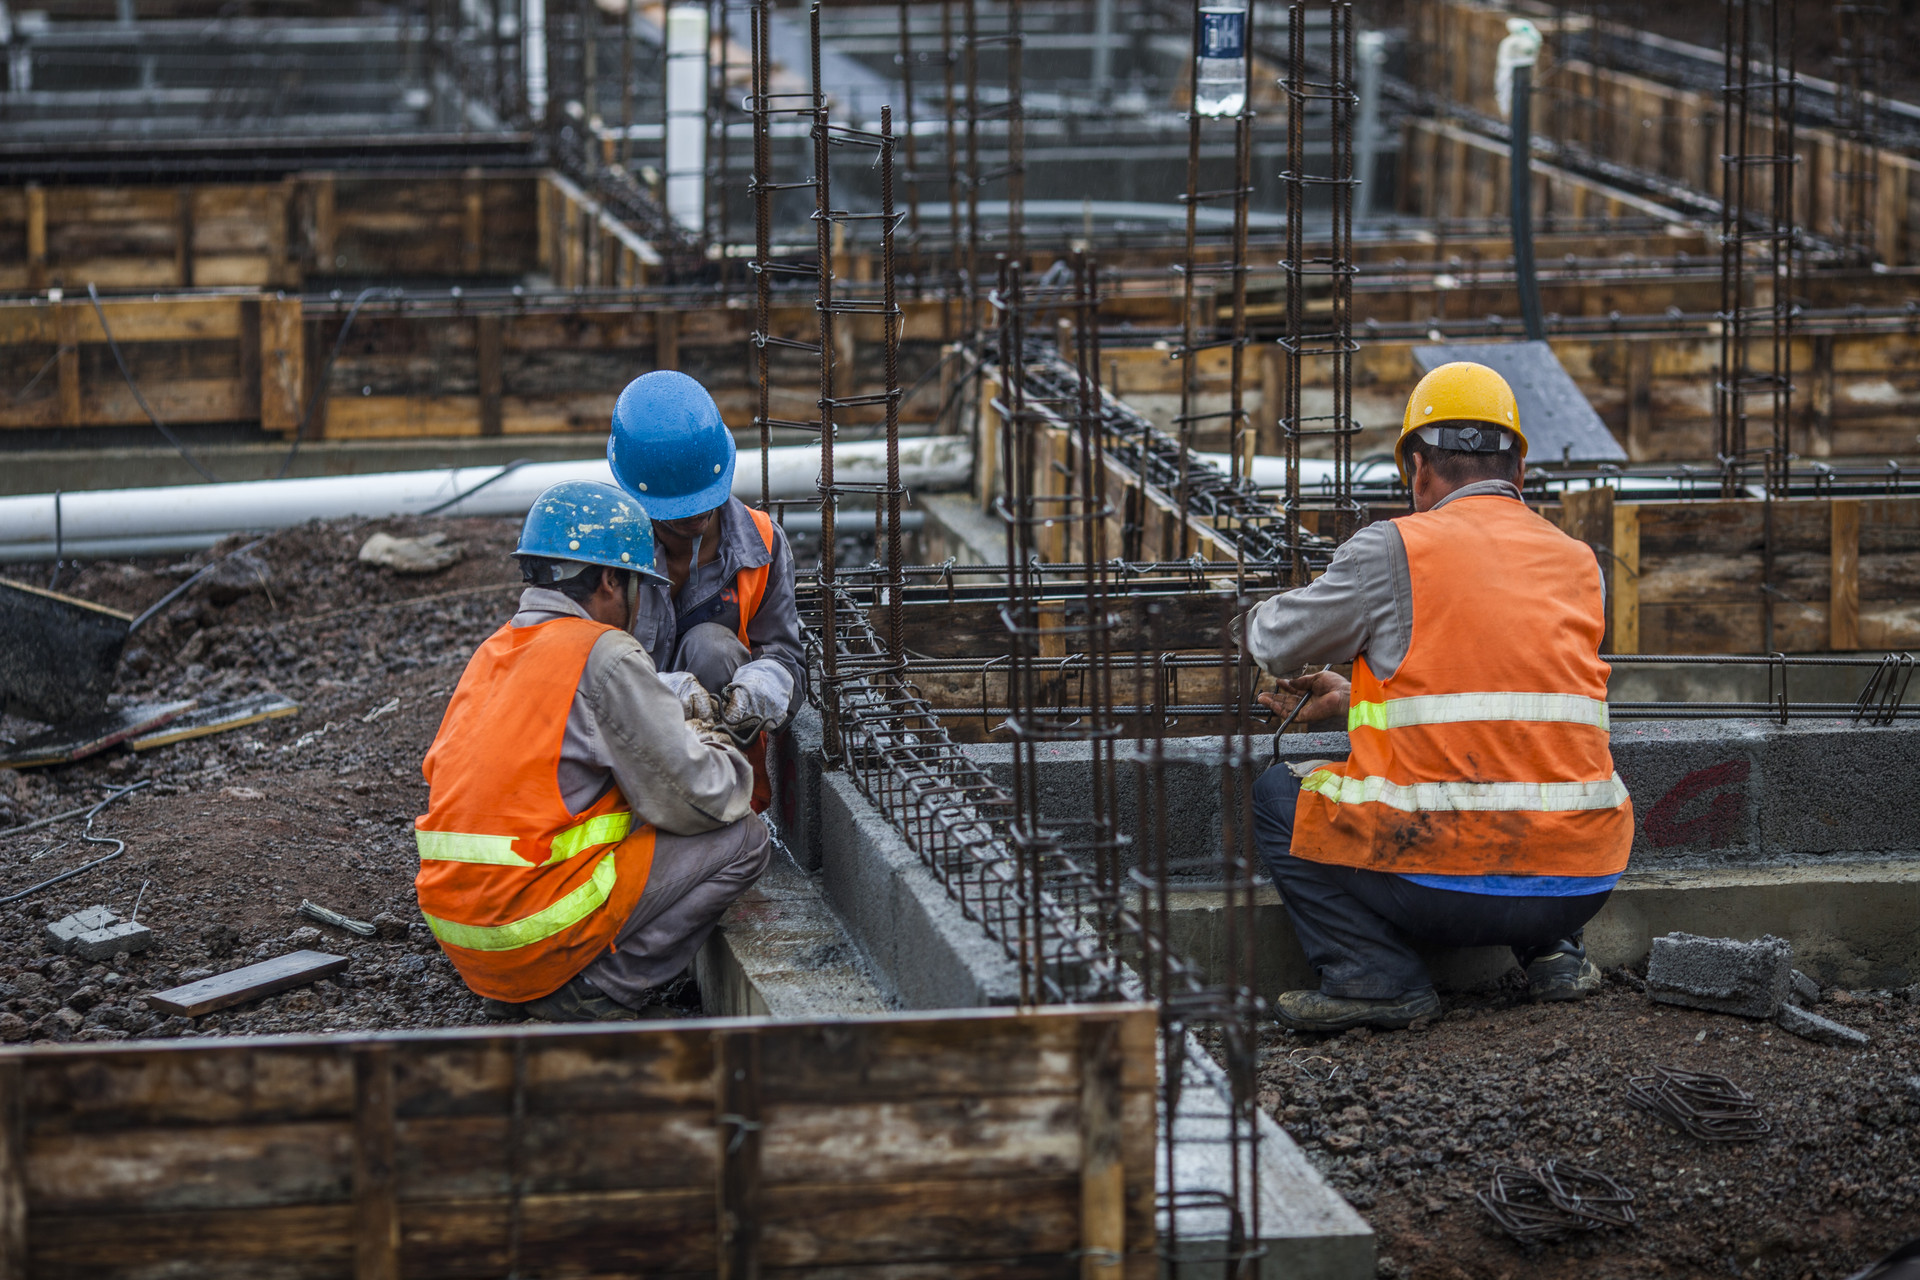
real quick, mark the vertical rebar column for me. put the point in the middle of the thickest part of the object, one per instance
(1756, 245)
(970, 254)
(1069, 856)
(823, 222)
(762, 238)
(626, 87)
(1324, 347)
(1233, 266)
(1858, 64)
(949, 59)
(889, 504)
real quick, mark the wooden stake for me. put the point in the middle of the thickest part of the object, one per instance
(1103, 1172)
(13, 1171)
(1626, 577)
(737, 1129)
(36, 237)
(1843, 599)
(376, 1216)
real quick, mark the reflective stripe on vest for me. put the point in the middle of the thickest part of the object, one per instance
(461, 846)
(1466, 797)
(1458, 708)
(586, 899)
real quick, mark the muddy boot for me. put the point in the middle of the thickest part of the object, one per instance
(578, 1001)
(1318, 1011)
(1562, 975)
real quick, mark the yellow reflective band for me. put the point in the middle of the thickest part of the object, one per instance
(458, 846)
(569, 911)
(605, 829)
(1464, 797)
(1456, 708)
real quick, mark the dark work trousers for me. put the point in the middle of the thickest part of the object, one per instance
(1359, 927)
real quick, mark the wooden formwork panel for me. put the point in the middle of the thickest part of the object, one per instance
(1692, 577)
(990, 1143)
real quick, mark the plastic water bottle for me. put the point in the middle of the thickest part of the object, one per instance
(1220, 85)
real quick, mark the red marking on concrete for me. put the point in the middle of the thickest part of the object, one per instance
(1664, 826)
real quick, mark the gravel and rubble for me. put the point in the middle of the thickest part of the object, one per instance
(1409, 1125)
(236, 829)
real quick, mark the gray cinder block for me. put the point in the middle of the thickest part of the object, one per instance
(101, 944)
(1805, 990)
(61, 933)
(1811, 1026)
(1746, 979)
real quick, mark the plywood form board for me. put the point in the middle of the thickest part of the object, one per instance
(955, 1143)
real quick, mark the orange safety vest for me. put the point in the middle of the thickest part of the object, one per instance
(1486, 752)
(521, 893)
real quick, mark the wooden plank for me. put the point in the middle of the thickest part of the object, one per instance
(324, 225)
(36, 237)
(1843, 596)
(737, 1122)
(13, 1172)
(1587, 514)
(67, 319)
(282, 364)
(376, 1217)
(1626, 578)
(183, 236)
(1639, 398)
(475, 223)
(225, 990)
(1103, 1174)
(487, 345)
(165, 1169)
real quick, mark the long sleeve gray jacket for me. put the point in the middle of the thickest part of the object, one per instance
(626, 728)
(774, 630)
(1362, 604)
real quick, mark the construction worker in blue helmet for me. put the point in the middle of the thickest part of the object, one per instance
(581, 838)
(719, 620)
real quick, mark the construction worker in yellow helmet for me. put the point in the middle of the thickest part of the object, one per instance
(1479, 805)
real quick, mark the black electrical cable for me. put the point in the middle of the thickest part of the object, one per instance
(93, 296)
(326, 372)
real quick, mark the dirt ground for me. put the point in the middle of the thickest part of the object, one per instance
(237, 828)
(1408, 1125)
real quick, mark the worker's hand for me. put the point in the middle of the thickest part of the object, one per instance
(757, 698)
(1327, 694)
(695, 702)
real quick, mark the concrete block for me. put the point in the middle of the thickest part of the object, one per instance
(1805, 990)
(1694, 787)
(101, 944)
(1746, 979)
(1838, 788)
(1811, 1026)
(59, 935)
(793, 763)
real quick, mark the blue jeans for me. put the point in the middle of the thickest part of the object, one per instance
(1359, 927)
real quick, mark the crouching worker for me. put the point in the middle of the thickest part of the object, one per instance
(719, 620)
(581, 838)
(1479, 805)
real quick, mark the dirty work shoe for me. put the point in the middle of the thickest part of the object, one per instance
(502, 1010)
(1562, 975)
(1318, 1011)
(578, 1001)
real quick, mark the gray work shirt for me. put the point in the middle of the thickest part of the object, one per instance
(626, 728)
(1362, 604)
(773, 632)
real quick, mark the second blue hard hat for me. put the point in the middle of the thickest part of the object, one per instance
(587, 522)
(669, 447)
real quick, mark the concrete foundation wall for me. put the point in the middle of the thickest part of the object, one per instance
(1706, 794)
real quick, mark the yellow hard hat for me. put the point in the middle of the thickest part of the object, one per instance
(1459, 392)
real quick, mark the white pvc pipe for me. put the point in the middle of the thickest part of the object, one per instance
(686, 159)
(103, 523)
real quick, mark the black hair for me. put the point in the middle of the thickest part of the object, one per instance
(579, 588)
(1457, 466)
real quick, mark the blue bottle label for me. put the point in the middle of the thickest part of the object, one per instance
(1223, 33)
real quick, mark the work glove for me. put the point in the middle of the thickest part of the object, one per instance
(695, 702)
(757, 698)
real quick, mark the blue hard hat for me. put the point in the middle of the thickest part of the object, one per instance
(669, 447)
(587, 522)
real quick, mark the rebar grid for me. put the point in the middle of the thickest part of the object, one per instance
(1328, 343)
(1757, 165)
(1858, 64)
(1234, 267)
